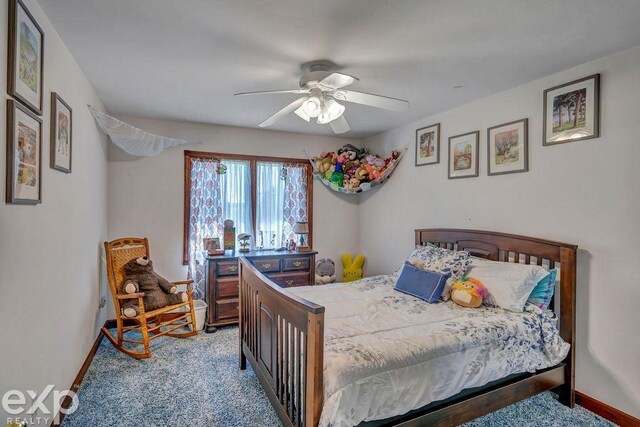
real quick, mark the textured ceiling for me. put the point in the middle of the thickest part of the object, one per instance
(185, 59)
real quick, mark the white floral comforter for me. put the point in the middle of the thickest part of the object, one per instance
(387, 353)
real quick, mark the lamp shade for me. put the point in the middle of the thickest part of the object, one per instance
(301, 228)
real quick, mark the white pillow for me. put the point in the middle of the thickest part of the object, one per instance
(509, 284)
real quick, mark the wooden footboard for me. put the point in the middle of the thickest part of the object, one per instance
(282, 336)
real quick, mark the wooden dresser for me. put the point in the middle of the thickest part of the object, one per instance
(285, 268)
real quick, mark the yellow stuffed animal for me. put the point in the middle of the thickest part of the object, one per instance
(352, 268)
(469, 292)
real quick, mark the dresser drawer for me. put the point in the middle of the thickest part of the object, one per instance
(227, 309)
(301, 263)
(227, 268)
(227, 288)
(266, 265)
(290, 279)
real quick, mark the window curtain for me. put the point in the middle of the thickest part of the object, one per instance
(236, 196)
(295, 199)
(205, 209)
(215, 197)
(270, 202)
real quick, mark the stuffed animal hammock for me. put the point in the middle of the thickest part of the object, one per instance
(352, 170)
(134, 141)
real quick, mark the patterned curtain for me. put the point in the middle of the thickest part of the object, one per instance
(295, 199)
(216, 196)
(206, 216)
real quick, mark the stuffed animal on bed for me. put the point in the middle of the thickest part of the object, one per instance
(158, 291)
(468, 292)
(352, 268)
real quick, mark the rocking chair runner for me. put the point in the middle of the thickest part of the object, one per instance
(118, 253)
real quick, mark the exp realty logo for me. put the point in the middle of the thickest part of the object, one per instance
(35, 411)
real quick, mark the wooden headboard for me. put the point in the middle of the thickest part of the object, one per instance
(525, 250)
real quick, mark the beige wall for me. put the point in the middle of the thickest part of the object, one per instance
(50, 253)
(585, 193)
(146, 194)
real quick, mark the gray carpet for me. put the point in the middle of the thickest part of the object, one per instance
(196, 382)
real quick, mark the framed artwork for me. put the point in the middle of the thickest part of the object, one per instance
(428, 145)
(26, 49)
(507, 148)
(572, 111)
(24, 155)
(61, 134)
(463, 155)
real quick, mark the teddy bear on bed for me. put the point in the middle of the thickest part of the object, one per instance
(158, 291)
(325, 271)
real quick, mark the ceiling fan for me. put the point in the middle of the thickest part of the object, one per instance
(322, 89)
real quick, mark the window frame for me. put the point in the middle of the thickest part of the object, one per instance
(189, 156)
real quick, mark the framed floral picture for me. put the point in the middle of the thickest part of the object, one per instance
(428, 145)
(61, 134)
(507, 148)
(572, 111)
(24, 155)
(26, 50)
(463, 155)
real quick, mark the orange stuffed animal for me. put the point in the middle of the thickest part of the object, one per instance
(468, 292)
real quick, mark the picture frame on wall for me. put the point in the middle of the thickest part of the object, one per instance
(508, 148)
(463, 155)
(61, 134)
(428, 145)
(25, 65)
(572, 111)
(24, 155)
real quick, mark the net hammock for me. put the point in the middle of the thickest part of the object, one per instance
(132, 140)
(364, 186)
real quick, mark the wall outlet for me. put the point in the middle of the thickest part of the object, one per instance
(103, 302)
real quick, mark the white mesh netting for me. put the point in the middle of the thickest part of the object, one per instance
(134, 141)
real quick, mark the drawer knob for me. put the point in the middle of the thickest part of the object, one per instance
(233, 267)
(289, 282)
(297, 263)
(266, 265)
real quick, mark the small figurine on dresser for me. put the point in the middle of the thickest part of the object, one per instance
(229, 235)
(243, 239)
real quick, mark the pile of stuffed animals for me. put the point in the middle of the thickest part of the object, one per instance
(351, 166)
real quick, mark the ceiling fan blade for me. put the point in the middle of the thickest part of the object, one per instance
(286, 110)
(268, 92)
(377, 101)
(337, 80)
(340, 125)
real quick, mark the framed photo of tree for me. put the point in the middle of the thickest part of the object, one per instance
(507, 148)
(428, 145)
(572, 111)
(26, 50)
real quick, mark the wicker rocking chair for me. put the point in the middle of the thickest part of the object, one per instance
(118, 253)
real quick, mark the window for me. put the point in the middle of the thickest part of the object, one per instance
(264, 196)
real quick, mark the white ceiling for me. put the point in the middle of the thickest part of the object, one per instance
(185, 59)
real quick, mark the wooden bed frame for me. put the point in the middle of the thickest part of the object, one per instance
(282, 336)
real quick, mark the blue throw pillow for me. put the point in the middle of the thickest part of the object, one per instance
(423, 284)
(543, 292)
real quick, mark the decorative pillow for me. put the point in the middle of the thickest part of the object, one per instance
(543, 292)
(440, 260)
(423, 284)
(509, 284)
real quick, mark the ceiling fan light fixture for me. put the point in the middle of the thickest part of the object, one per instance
(330, 111)
(312, 106)
(300, 112)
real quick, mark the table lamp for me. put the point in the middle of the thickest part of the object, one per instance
(302, 228)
